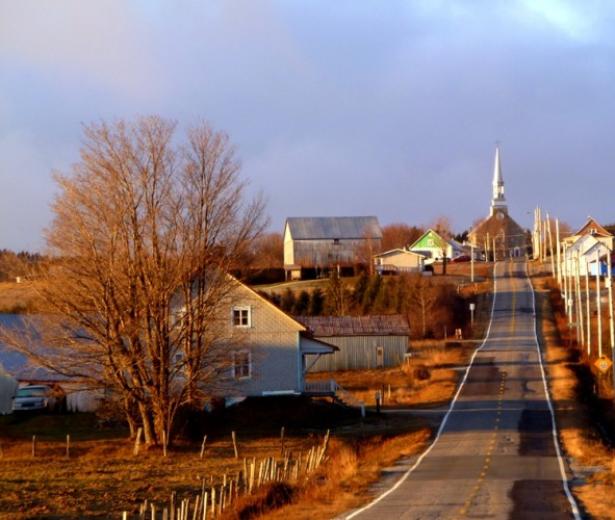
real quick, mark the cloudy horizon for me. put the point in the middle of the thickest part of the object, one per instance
(336, 108)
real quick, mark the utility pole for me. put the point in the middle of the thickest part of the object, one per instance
(611, 323)
(566, 285)
(579, 299)
(589, 320)
(472, 262)
(598, 305)
(551, 246)
(559, 260)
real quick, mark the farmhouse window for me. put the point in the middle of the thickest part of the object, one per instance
(242, 317)
(242, 364)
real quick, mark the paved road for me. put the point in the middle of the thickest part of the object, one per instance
(495, 456)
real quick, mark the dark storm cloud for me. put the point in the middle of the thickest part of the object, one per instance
(385, 108)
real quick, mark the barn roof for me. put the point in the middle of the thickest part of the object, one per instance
(318, 228)
(385, 325)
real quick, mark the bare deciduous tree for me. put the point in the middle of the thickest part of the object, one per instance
(145, 230)
(399, 235)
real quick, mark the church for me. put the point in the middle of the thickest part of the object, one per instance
(499, 233)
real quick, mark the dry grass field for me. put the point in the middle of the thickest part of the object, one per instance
(428, 379)
(18, 297)
(568, 381)
(102, 477)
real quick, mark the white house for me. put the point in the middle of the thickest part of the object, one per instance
(587, 250)
(269, 351)
(399, 261)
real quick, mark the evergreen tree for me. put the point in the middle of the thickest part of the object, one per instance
(301, 304)
(288, 300)
(370, 293)
(316, 303)
(359, 290)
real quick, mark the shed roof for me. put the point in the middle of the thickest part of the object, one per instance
(317, 228)
(399, 251)
(384, 325)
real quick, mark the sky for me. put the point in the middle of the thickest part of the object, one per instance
(337, 108)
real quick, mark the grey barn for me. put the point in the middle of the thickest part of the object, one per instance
(363, 341)
(326, 242)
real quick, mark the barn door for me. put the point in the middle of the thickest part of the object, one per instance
(379, 357)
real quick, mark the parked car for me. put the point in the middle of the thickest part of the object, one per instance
(50, 398)
(461, 258)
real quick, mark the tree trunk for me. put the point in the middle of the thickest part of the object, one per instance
(149, 432)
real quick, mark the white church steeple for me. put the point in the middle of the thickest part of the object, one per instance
(498, 201)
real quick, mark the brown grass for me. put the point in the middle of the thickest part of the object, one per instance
(102, 478)
(426, 380)
(19, 297)
(343, 483)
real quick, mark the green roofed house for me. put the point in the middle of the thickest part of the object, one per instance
(434, 247)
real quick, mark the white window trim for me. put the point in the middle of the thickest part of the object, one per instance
(235, 354)
(240, 308)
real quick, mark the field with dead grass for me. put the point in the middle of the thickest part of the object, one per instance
(102, 477)
(571, 382)
(19, 297)
(428, 379)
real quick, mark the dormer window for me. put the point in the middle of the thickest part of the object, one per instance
(593, 231)
(242, 316)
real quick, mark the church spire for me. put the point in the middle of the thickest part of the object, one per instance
(498, 201)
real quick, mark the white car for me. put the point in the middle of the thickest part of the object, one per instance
(39, 397)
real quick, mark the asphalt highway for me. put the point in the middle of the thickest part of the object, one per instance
(494, 455)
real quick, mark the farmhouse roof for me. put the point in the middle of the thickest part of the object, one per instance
(384, 325)
(318, 228)
(592, 227)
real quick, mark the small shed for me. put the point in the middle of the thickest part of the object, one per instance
(399, 261)
(364, 342)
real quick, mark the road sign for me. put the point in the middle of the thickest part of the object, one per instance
(603, 364)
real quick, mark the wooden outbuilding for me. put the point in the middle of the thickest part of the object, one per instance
(364, 342)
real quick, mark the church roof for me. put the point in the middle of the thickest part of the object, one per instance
(498, 224)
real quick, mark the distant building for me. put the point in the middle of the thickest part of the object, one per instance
(499, 232)
(363, 341)
(591, 247)
(323, 243)
(594, 229)
(399, 261)
(434, 247)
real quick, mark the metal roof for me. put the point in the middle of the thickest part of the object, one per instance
(15, 363)
(317, 228)
(384, 325)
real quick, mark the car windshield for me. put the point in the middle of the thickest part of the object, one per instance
(31, 392)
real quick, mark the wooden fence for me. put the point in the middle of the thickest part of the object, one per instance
(212, 500)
